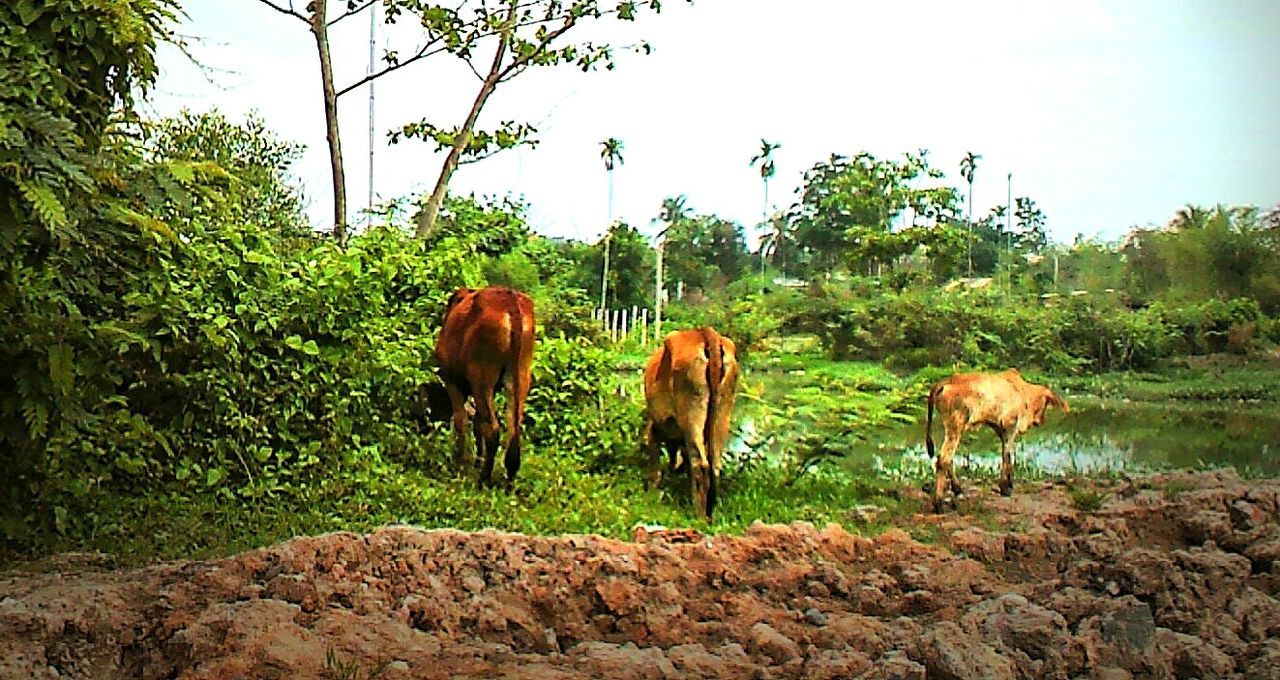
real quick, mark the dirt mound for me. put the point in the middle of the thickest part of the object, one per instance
(1176, 576)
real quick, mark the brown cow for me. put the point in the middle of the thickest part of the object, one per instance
(1003, 401)
(487, 336)
(689, 388)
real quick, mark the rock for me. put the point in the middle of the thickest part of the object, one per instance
(1266, 665)
(1130, 627)
(1188, 656)
(949, 653)
(1207, 525)
(769, 642)
(1031, 636)
(979, 544)
(1257, 613)
(608, 660)
(835, 665)
(895, 665)
(817, 618)
(1246, 516)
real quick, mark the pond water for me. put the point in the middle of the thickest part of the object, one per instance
(1099, 436)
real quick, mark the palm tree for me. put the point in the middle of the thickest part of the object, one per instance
(767, 171)
(774, 241)
(611, 153)
(1188, 217)
(673, 210)
(968, 165)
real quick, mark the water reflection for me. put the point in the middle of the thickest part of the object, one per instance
(1096, 437)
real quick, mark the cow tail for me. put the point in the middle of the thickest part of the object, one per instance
(517, 351)
(715, 374)
(928, 419)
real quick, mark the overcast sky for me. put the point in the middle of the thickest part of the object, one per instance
(1109, 114)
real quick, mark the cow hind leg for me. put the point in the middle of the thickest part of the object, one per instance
(458, 402)
(713, 489)
(692, 421)
(519, 391)
(1006, 464)
(944, 472)
(486, 433)
(677, 458)
(650, 446)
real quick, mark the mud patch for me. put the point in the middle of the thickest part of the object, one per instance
(1151, 585)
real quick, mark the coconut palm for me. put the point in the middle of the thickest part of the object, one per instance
(969, 165)
(611, 153)
(773, 244)
(673, 210)
(1188, 217)
(767, 171)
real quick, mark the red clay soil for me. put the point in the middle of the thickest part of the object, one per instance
(1176, 577)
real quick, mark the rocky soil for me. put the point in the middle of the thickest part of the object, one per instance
(1176, 576)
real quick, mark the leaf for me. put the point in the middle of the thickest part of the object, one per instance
(60, 519)
(293, 342)
(310, 347)
(61, 371)
(214, 475)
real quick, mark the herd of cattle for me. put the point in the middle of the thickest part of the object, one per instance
(486, 343)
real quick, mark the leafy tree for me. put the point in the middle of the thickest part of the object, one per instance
(704, 250)
(846, 201)
(516, 36)
(487, 227)
(266, 194)
(968, 166)
(611, 153)
(511, 35)
(1030, 221)
(632, 265)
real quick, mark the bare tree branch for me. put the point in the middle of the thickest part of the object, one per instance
(423, 53)
(356, 10)
(288, 11)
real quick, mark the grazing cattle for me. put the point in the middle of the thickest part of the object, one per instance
(1003, 401)
(487, 337)
(689, 388)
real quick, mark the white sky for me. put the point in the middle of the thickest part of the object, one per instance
(1109, 113)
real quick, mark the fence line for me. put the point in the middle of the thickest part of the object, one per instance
(624, 323)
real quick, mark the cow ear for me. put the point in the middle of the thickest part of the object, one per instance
(1058, 401)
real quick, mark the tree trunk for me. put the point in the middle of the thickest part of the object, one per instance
(970, 221)
(604, 278)
(608, 236)
(427, 218)
(320, 30)
(657, 294)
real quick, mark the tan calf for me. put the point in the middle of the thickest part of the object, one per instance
(1003, 401)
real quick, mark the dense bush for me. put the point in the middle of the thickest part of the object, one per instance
(932, 327)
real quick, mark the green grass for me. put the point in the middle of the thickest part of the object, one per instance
(803, 407)
(1086, 498)
(551, 496)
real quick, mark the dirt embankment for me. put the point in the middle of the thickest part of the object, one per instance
(1173, 583)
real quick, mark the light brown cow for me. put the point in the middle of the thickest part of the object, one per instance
(486, 339)
(1003, 401)
(689, 387)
